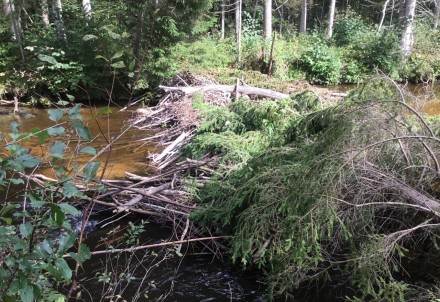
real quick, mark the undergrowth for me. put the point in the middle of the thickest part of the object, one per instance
(329, 194)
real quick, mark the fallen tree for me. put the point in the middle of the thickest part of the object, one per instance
(348, 195)
(242, 90)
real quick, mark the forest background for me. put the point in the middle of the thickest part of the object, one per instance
(114, 49)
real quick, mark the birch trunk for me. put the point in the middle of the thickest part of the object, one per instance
(238, 28)
(9, 12)
(331, 18)
(45, 12)
(402, 9)
(436, 13)
(384, 12)
(14, 23)
(223, 19)
(267, 24)
(87, 8)
(407, 38)
(59, 23)
(303, 23)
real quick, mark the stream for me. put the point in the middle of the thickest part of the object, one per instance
(164, 274)
(158, 275)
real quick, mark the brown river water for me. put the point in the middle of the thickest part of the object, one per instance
(198, 276)
(126, 152)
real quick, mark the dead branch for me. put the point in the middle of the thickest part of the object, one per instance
(246, 90)
(150, 246)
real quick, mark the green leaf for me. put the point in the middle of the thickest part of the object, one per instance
(64, 268)
(26, 229)
(57, 215)
(89, 37)
(47, 246)
(101, 57)
(74, 113)
(28, 161)
(57, 150)
(15, 126)
(66, 242)
(85, 254)
(114, 35)
(119, 64)
(17, 181)
(55, 272)
(48, 59)
(63, 103)
(68, 209)
(69, 190)
(42, 135)
(7, 220)
(90, 170)
(117, 55)
(54, 131)
(131, 66)
(36, 202)
(83, 131)
(27, 292)
(70, 97)
(7, 208)
(55, 114)
(88, 150)
(106, 111)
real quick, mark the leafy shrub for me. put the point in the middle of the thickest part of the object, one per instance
(207, 53)
(424, 64)
(349, 28)
(36, 234)
(321, 63)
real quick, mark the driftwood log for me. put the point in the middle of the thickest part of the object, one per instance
(247, 90)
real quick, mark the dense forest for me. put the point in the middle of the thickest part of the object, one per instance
(120, 48)
(333, 193)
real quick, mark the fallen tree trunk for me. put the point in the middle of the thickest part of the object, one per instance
(247, 90)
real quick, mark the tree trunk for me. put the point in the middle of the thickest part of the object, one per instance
(303, 24)
(436, 13)
(9, 12)
(138, 30)
(384, 12)
(407, 38)
(247, 90)
(14, 23)
(254, 11)
(87, 8)
(59, 23)
(238, 7)
(331, 18)
(267, 24)
(223, 19)
(45, 12)
(402, 9)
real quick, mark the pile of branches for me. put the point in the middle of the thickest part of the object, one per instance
(167, 192)
(351, 195)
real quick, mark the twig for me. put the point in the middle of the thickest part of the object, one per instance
(144, 247)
